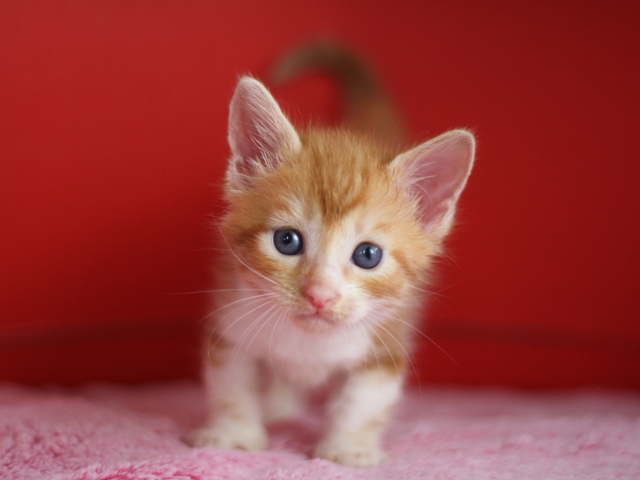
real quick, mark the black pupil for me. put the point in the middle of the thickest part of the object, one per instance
(287, 238)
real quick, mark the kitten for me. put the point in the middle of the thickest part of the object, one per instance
(329, 235)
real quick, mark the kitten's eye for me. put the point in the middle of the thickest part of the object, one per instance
(367, 255)
(287, 241)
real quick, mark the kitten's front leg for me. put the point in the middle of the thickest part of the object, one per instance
(357, 415)
(234, 407)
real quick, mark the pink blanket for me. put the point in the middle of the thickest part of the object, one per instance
(118, 432)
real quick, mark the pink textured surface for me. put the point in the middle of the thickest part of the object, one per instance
(116, 432)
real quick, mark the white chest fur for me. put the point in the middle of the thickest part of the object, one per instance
(303, 358)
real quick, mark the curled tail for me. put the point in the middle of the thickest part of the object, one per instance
(366, 106)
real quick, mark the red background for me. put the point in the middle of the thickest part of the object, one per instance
(112, 135)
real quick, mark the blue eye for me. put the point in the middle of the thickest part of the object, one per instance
(367, 255)
(287, 241)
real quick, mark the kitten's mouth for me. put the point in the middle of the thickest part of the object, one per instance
(314, 322)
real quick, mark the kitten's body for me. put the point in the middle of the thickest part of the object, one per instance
(289, 320)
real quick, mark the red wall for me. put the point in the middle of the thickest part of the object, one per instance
(112, 133)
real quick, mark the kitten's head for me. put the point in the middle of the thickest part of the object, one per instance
(339, 228)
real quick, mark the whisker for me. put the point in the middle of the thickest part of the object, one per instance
(435, 294)
(271, 336)
(409, 359)
(384, 344)
(259, 317)
(243, 263)
(237, 346)
(239, 307)
(251, 298)
(373, 348)
(234, 322)
(246, 333)
(427, 337)
(219, 290)
(448, 287)
(210, 249)
(266, 321)
(423, 290)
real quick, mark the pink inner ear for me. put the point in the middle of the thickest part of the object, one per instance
(258, 130)
(438, 170)
(249, 134)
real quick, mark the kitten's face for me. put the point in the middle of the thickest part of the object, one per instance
(332, 233)
(334, 227)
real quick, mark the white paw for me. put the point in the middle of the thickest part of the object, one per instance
(350, 454)
(229, 435)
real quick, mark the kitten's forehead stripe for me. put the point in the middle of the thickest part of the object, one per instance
(342, 172)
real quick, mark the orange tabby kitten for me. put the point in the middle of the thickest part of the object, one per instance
(329, 236)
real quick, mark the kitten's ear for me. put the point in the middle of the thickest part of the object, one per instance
(436, 173)
(259, 134)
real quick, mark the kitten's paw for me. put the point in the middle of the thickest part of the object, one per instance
(350, 454)
(229, 436)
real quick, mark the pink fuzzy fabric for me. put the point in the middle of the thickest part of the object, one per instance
(116, 432)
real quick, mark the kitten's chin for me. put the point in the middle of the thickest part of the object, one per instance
(314, 323)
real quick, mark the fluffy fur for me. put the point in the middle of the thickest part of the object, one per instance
(286, 324)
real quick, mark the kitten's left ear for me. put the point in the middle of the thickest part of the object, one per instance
(436, 173)
(259, 134)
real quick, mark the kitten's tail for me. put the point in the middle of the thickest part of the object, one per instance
(366, 106)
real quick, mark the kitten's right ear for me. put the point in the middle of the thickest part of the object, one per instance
(259, 134)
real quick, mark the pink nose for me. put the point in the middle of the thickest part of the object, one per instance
(320, 296)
